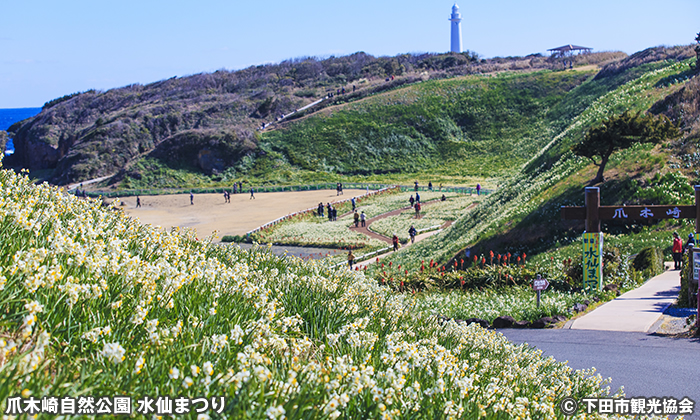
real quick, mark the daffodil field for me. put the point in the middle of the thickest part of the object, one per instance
(309, 230)
(312, 233)
(489, 304)
(93, 303)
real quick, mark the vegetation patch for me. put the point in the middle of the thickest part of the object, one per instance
(94, 302)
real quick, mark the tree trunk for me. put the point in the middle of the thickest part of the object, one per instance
(601, 168)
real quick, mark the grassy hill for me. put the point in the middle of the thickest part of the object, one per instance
(523, 215)
(202, 129)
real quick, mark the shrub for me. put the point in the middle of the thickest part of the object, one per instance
(683, 301)
(233, 238)
(652, 259)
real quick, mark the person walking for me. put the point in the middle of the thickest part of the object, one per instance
(362, 218)
(411, 200)
(225, 198)
(395, 242)
(412, 233)
(677, 250)
(138, 201)
(235, 188)
(690, 243)
(329, 211)
(191, 198)
(320, 209)
(252, 193)
(337, 189)
(415, 186)
(478, 189)
(356, 218)
(417, 198)
(417, 207)
(335, 213)
(430, 185)
(351, 259)
(352, 200)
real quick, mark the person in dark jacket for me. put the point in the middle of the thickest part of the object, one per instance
(412, 233)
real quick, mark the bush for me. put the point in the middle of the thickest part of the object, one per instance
(652, 259)
(683, 293)
(233, 238)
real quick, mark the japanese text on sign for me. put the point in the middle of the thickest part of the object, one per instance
(592, 260)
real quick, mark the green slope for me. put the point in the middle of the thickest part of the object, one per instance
(469, 127)
(523, 215)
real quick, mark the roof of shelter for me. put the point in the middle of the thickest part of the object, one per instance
(570, 48)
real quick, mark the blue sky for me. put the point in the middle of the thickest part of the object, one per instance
(49, 48)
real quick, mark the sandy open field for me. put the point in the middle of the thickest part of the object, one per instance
(210, 213)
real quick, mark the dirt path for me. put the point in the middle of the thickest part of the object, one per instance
(210, 213)
(365, 230)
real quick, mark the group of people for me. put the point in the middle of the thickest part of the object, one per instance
(330, 210)
(339, 189)
(415, 202)
(678, 249)
(357, 218)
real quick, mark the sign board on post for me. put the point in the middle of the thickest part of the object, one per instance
(693, 284)
(539, 284)
(592, 260)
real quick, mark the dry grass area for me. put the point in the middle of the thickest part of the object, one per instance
(210, 213)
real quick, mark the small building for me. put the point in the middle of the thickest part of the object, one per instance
(567, 50)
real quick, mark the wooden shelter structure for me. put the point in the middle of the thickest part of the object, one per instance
(569, 50)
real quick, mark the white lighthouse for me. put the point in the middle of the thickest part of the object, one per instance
(456, 35)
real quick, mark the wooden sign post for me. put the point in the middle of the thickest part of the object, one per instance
(593, 213)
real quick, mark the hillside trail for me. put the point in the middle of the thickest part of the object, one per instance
(282, 123)
(88, 182)
(273, 125)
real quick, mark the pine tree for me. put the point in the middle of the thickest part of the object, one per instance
(620, 132)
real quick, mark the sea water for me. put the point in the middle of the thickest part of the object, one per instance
(9, 116)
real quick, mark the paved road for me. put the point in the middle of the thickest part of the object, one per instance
(646, 365)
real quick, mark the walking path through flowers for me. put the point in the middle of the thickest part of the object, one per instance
(365, 230)
(637, 310)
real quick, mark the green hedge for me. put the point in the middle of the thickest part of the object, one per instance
(651, 259)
